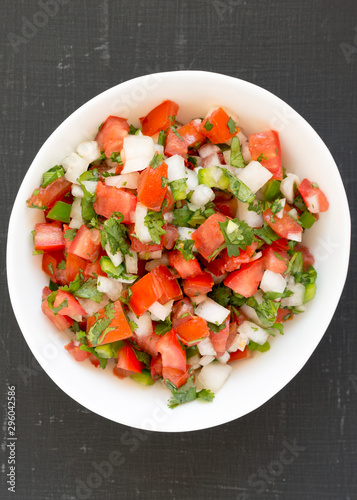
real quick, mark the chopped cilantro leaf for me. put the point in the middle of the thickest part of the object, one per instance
(163, 327)
(70, 234)
(185, 247)
(238, 188)
(205, 395)
(261, 157)
(116, 157)
(216, 328)
(208, 125)
(231, 124)
(156, 161)
(237, 235)
(236, 157)
(62, 265)
(51, 175)
(161, 139)
(133, 130)
(154, 222)
(114, 234)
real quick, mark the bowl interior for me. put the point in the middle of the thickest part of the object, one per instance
(252, 382)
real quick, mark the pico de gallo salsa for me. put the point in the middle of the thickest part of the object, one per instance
(175, 249)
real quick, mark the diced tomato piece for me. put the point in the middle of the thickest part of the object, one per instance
(173, 356)
(175, 376)
(145, 292)
(50, 262)
(275, 259)
(73, 309)
(170, 237)
(147, 343)
(192, 331)
(285, 227)
(86, 244)
(48, 237)
(202, 283)
(314, 198)
(76, 351)
(219, 339)
(234, 356)
(152, 186)
(138, 246)
(93, 269)
(232, 332)
(73, 265)
(110, 199)
(283, 315)
(228, 207)
(219, 132)
(229, 264)
(266, 145)
(128, 363)
(185, 268)
(170, 288)
(159, 118)
(247, 279)
(169, 202)
(191, 133)
(182, 311)
(66, 239)
(60, 322)
(208, 236)
(48, 196)
(307, 258)
(121, 329)
(156, 367)
(110, 137)
(175, 145)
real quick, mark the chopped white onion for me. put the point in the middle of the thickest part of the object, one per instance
(207, 150)
(199, 298)
(185, 233)
(151, 264)
(169, 216)
(77, 191)
(192, 179)
(144, 324)
(240, 343)
(312, 203)
(249, 216)
(138, 152)
(160, 312)
(90, 186)
(253, 332)
(251, 314)
(224, 358)
(202, 195)
(109, 286)
(206, 360)
(116, 258)
(176, 168)
(129, 181)
(150, 255)
(295, 236)
(247, 157)
(297, 298)
(206, 348)
(212, 161)
(131, 262)
(141, 229)
(76, 223)
(272, 282)
(293, 213)
(256, 257)
(76, 210)
(211, 311)
(194, 361)
(74, 165)
(89, 150)
(213, 376)
(254, 175)
(92, 307)
(242, 138)
(288, 186)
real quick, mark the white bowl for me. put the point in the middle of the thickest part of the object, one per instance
(252, 382)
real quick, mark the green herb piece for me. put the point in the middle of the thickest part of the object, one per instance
(231, 124)
(163, 327)
(164, 182)
(261, 157)
(69, 234)
(208, 125)
(178, 189)
(89, 175)
(191, 351)
(102, 361)
(89, 290)
(192, 160)
(237, 236)
(272, 190)
(133, 130)
(299, 203)
(185, 247)
(60, 211)
(154, 222)
(236, 157)
(238, 188)
(115, 235)
(143, 357)
(172, 118)
(266, 234)
(53, 286)
(223, 146)
(253, 346)
(161, 138)
(51, 300)
(156, 161)
(51, 175)
(116, 157)
(187, 393)
(266, 310)
(62, 265)
(216, 328)
(101, 327)
(277, 295)
(174, 129)
(276, 206)
(205, 395)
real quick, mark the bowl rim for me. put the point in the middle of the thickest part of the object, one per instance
(19, 201)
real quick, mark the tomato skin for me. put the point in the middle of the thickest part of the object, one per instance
(234, 356)
(227, 208)
(229, 264)
(267, 144)
(73, 308)
(60, 322)
(185, 268)
(170, 237)
(120, 324)
(86, 244)
(182, 311)
(192, 331)
(168, 203)
(307, 258)
(156, 367)
(76, 351)
(145, 292)
(283, 226)
(159, 118)
(174, 145)
(110, 199)
(93, 269)
(171, 290)
(282, 314)
(220, 131)
(202, 283)
(246, 280)
(147, 343)
(128, 363)
(73, 265)
(173, 356)
(48, 237)
(220, 339)
(191, 133)
(53, 192)
(110, 137)
(50, 261)
(314, 198)
(151, 188)
(275, 259)
(208, 236)
(175, 376)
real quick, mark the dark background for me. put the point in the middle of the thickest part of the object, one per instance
(306, 53)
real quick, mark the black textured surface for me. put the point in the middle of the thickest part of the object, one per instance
(306, 53)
